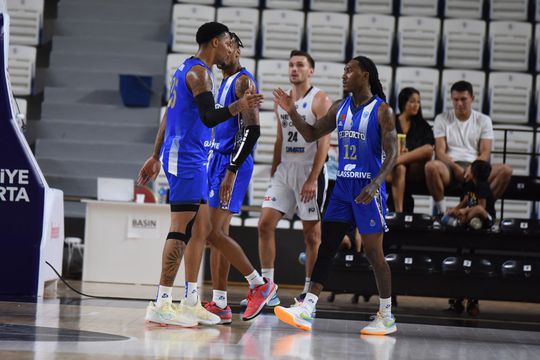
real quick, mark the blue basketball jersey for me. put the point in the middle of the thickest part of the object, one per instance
(187, 139)
(228, 134)
(359, 134)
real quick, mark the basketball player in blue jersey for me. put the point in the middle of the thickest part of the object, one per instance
(367, 153)
(182, 146)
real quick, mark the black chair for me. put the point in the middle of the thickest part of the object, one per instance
(409, 221)
(520, 226)
(452, 265)
(410, 263)
(520, 269)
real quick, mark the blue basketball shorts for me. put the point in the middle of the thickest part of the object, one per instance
(190, 186)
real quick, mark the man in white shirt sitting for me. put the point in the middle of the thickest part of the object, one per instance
(462, 135)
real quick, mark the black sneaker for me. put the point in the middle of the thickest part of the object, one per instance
(456, 306)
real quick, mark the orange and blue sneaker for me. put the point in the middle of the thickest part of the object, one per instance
(225, 315)
(257, 299)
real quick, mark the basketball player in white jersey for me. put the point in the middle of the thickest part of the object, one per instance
(299, 178)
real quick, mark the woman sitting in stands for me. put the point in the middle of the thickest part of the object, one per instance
(415, 146)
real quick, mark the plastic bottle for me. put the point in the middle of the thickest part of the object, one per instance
(450, 221)
(476, 223)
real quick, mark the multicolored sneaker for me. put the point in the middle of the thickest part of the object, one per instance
(224, 314)
(300, 299)
(380, 325)
(296, 315)
(257, 298)
(203, 316)
(168, 314)
(274, 301)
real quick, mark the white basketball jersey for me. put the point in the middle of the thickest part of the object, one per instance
(294, 148)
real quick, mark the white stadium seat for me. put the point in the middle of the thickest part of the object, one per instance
(463, 43)
(329, 5)
(198, 2)
(509, 97)
(475, 77)
(173, 62)
(516, 141)
(425, 80)
(282, 32)
(537, 46)
(264, 151)
(509, 44)
(374, 6)
(243, 22)
(259, 184)
(463, 9)
(26, 21)
(186, 20)
(419, 7)
(272, 74)
(285, 4)
(517, 209)
(385, 75)
(22, 68)
(241, 3)
(537, 99)
(327, 76)
(508, 9)
(537, 12)
(423, 204)
(373, 36)
(327, 35)
(418, 40)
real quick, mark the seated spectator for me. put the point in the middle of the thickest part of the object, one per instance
(477, 206)
(462, 135)
(415, 151)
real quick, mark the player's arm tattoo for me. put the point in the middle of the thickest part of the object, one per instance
(323, 126)
(243, 84)
(389, 141)
(198, 80)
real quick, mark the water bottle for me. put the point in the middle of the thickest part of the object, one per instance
(162, 192)
(302, 258)
(450, 221)
(476, 223)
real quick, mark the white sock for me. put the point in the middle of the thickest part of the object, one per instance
(306, 285)
(309, 302)
(164, 295)
(254, 279)
(269, 273)
(220, 298)
(192, 295)
(441, 206)
(385, 307)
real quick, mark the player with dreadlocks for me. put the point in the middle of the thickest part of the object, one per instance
(367, 153)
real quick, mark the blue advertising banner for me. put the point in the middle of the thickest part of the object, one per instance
(22, 192)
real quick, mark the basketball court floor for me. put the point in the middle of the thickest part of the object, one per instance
(73, 327)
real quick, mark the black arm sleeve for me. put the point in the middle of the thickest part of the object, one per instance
(210, 116)
(251, 134)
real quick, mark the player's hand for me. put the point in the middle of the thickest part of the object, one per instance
(250, 101)
(226, 188)
(368, 193)
(467, 175)
(149, 171)
(284, 100)
(308, 191)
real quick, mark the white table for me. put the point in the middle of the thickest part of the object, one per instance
(124, 242)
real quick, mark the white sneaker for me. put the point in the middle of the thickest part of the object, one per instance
(296, 315)
(380, 325)
(274, 301)
(168, 314)
(201, 315)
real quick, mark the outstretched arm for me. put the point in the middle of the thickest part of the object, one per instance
(324, 125)
(389, 145)
(199, 82)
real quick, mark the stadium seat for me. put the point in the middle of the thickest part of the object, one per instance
(173, 62)
(521, 225)
(245, 23)
(517, 142)
(272, 74)
(463, 43)
(509, 45)
(241, 3)
(463, 9)
(537, 46)
(409, 221)
(282, 32)
(508, 9)
(509, 109)
(22, 69)
(199, 2)
(387, 80)
(285, 4)
(419, 7)
(452, 265)
(422, 204)
(26, 21)
(374, 6)
(418, 40)
(514, 209)
(520, 269)
(327, 35)
(329, 5)
(186, 20)
(352, 260)
(373, 36)
(259, 184)
(476, 78)
(327, 76)
(425, 80)
(264, 152)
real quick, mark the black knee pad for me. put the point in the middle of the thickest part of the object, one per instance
(178, 236)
